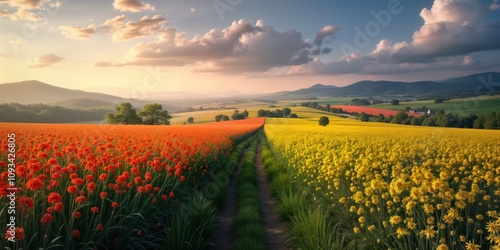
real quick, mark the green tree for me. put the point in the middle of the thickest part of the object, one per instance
(323, 121)
(125, 114)
(218, 117)
(286, 112)
(154, 114)
(394, 102)
(225, 118)
(438, 100)
(293, 115)
(190, 120)
(245, 113)
(261, 113)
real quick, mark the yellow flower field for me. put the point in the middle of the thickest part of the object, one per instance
(395, 186)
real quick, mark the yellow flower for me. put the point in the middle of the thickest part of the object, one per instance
(395, 219)
(356, 230)
(428, 232)
(493, 227)
(442, 247)
(471, 246)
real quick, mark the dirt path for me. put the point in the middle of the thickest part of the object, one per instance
(276, 235)
(223, 236)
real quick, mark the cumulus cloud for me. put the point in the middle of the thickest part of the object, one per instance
(238, 48)
(44, 60)
(77, 32)
(24, 3)
(494, 6)
(327, 31)
(28, 9)
(452, 30)
(131, 5)
(125, 30)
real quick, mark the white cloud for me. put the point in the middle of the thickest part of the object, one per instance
(125, 30)
(131, 5)
(28, 9)
(44, 60)
(452, 30)
(494, 6)
(241, 47)
(77, 32)
(192, 10)
(327, 31)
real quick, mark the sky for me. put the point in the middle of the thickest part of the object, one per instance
(143, 48)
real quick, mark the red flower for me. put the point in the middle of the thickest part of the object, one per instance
(77, 215)
(103, 177)
(94, 210)
(139, 232)
(72, 189)
(81, 198)
(164, 197)
(114, 204)
(58, 207)
(183, 178)
(75, 233)
(26, 203)
(172, 194)
(77, 181)
(54, 197)
(47, 218)
(103, 195)
(34, 184)
(18, 231)
(99, 227)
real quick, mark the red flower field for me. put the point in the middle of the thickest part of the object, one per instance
(100, 183)
(371, 111)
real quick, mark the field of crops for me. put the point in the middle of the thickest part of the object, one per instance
(397, 187)
(371, 110)
(94, 186)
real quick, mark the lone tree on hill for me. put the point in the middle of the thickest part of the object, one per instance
(323, 121)
(155, 115)
(190, 120)
(125, 114)
(394, 102)
(286, 112)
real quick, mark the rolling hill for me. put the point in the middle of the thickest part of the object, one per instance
(36, 92)
(467, 84)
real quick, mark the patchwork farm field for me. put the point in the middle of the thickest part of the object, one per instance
(349, 185)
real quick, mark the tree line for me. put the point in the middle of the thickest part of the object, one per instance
(42, 113)
(285, 112)
(440, 119)
(152, 114)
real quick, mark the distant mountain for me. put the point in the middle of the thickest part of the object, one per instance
(467, 84)
(35, 92)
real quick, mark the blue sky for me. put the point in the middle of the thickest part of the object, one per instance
(242, 45)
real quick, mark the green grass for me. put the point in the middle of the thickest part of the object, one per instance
(463, 106)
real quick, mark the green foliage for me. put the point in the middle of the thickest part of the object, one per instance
(190, 120)
(191, 225)
(312, 229)
(125, 114)
(154, 114)
(394, 102)
(438, 100)
(324, 121)
(43, 113)
(293, 115)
